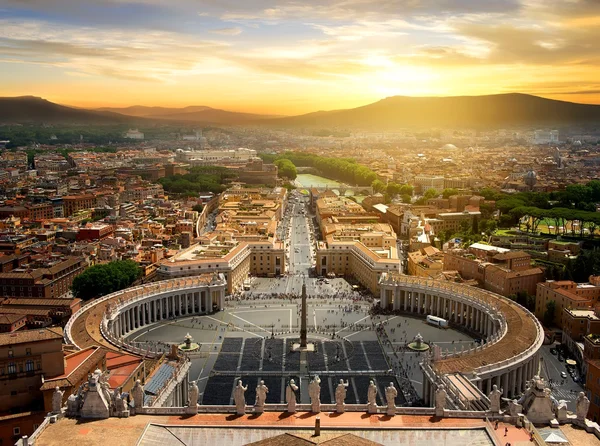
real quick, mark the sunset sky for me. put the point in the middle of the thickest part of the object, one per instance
(291, 57)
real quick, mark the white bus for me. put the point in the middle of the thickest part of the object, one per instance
(437, 321)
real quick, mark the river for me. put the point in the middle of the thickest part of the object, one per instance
(307, 180)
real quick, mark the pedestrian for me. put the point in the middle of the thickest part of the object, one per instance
(505, 432)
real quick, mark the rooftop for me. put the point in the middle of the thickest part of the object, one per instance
(22, 337)
(242, 430)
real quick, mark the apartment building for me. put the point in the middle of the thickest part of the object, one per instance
(566, 294)
(26, 356)
(426, 262)
(354, 242)
(74, 203)
(48, 279)
(242, 243)
(503, 272)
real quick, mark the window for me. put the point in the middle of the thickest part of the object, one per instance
(12, 368)
(13, 393)
(28, 351)
(16, 430)
(11, 354)
(29, 366)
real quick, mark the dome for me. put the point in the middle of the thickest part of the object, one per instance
(530, 178)
(449, 147)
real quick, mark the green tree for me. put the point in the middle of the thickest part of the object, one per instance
(505, 205)
(406, 198)
(393, 189)
(198, 208)
(549, 313)
(99, 280)
(406, 189)
(378, 186)
(448, 192)
(286, 169)
(430, 193)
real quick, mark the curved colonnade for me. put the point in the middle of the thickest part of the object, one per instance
(107, 320)
(513, 335)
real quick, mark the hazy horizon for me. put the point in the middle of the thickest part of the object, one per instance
(286, 57)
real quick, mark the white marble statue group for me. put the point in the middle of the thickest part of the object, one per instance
(538, 404)
(314, 392)
(94, 399)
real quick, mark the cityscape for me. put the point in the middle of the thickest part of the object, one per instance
(301, 223)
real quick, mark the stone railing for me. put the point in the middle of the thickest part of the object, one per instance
(424, 411)
(124, 345)
(29, 441)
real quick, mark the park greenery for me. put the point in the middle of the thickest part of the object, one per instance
(346, 170)
(198, 179)
(573, 209)
(100, 280)
(286, 169)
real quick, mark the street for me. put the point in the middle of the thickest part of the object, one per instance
(551, 368)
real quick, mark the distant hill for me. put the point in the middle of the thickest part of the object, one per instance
(143, 111)
(194, 113)
(458, 111)
(24, 109)
(503, 110)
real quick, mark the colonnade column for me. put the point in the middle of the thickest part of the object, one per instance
(520, 379)
(505, 385)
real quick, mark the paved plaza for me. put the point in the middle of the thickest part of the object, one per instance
(237, 342)
(251, 339)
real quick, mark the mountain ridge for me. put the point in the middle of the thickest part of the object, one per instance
(499, 110)
(199, 113)
(496, 110)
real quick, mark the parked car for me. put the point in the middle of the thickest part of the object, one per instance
(563, 374)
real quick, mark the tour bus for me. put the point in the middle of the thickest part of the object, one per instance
(437, 321)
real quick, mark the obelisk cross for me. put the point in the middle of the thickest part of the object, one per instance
(303, 319)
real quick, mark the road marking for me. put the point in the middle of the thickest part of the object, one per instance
(356, 332)
(352, 324)
(248, 322)
(235, 326)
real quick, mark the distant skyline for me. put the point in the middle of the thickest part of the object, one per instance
(292, 57)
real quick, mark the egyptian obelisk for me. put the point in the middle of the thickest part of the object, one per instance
(303, 320)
